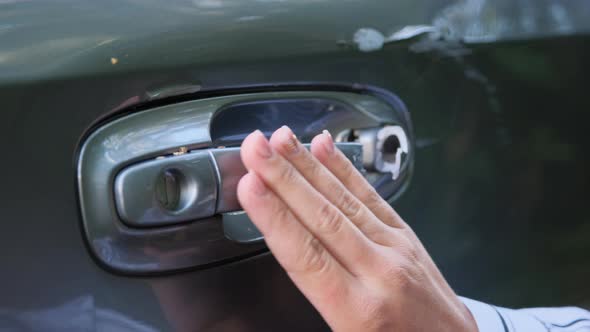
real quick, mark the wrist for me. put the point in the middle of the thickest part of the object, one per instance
(468, 319)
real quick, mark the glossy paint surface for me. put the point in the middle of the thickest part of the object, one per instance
(65, 38)
(499, 192)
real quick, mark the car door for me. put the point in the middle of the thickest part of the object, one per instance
(490, 96)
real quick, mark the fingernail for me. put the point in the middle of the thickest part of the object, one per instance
(264, 150)
(292, 144)
(330, 144)
(258, 187)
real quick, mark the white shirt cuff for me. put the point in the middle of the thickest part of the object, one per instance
(497, 319)
(486, 316)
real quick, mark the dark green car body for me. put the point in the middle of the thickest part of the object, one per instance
(498, 99)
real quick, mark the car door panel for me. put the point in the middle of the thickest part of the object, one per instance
(497, 193)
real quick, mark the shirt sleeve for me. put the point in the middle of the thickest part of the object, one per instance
(490, 318)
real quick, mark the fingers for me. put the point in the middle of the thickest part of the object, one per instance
(329, 186)
(311, 267)
(335, 161)
(324, 221)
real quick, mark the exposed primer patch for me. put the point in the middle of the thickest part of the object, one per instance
(485, 21)
(370, 39)
(114, 61)
(412, 31)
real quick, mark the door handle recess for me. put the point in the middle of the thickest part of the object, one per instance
(190, 186)
(156, 195)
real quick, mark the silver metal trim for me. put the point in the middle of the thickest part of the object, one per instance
(136, 190)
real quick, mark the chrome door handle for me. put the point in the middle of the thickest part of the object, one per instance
(190, 186)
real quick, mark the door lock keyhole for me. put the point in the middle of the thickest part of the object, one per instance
(169, 189)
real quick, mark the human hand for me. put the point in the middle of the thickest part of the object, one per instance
(345, 248)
